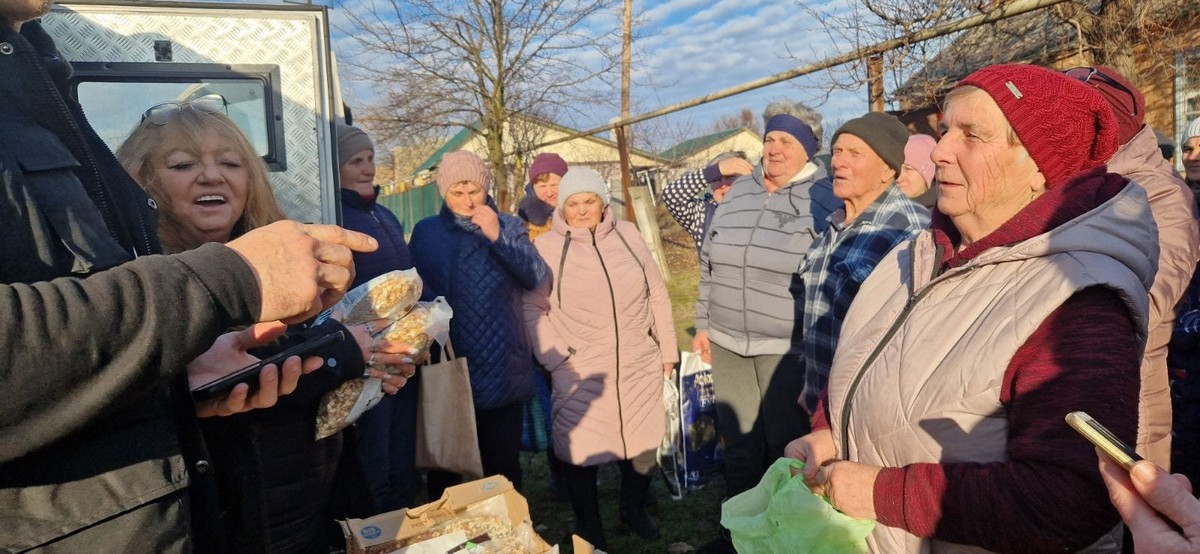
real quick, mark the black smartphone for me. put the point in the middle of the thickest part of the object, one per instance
(1100, 436)
(249, 374)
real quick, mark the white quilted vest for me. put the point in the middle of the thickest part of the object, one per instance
(921, 358)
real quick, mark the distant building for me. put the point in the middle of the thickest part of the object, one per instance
(523, 131)
(1169, 67)
(694, 153)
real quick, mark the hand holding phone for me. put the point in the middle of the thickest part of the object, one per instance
(249, 374)
(1100, 436)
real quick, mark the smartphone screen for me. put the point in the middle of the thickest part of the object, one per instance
(249, 374)
(1100, 436)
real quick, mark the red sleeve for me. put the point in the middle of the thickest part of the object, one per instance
(1048, 495)
(820, 418)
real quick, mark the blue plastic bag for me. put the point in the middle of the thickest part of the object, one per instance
(692, 454)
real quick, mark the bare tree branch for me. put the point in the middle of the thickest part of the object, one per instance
(442, 64)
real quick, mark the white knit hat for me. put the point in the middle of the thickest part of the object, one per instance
(582, 179)
(1193, 129)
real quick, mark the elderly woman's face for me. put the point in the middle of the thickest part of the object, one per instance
(783, 156)
(358, 173)
(462, 198)
(982, 178)
(205, 186)
(583, 209)
(910, 182)
(546, 188)
(1191, 158)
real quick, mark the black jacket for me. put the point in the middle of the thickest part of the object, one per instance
(97, 437)
(368, 216)
(274, 477)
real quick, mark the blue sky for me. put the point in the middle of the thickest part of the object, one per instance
(688, 48)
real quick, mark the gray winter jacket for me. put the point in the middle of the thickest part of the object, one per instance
(750, 294)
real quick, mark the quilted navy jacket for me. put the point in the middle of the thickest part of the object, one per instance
(366, 216)
(484, 283)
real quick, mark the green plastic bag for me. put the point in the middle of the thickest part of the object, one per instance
(780, 514)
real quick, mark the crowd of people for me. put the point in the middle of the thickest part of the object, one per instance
(912, 319)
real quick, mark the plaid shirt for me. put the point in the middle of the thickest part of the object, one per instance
(836, 266)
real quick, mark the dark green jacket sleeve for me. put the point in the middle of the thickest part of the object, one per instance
(73, 350)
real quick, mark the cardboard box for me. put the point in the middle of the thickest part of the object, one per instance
(384, 529)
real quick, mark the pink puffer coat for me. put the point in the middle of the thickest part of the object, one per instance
(598, 327)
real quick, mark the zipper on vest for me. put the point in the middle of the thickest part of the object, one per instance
(883, 342)
(616, 331)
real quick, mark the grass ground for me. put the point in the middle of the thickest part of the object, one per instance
(686, 524)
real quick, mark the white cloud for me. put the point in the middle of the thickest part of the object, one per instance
(690, 48)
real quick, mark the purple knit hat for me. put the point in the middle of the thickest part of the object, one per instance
(547, 162)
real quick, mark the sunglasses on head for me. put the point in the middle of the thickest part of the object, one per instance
(1086, 74)
(165, 112)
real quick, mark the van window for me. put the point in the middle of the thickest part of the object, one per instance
(115, 97)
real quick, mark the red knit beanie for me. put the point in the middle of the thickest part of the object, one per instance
(1128, 103)
(1066, 126)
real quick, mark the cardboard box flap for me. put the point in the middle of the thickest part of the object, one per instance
(402, 524)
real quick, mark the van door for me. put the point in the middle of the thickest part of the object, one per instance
(270, 64)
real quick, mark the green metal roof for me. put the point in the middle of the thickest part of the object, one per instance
(690, 146)
(458, 140)
(451, 145)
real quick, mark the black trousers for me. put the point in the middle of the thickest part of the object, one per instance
(499, 449)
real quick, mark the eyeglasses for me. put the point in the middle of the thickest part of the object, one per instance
(1086, 74)
(165, 112)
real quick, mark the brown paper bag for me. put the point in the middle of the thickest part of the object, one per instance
(446, 436)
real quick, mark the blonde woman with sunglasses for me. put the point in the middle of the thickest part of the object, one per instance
(211, 186)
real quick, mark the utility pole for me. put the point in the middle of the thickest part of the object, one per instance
(623, 131)
(875, 81)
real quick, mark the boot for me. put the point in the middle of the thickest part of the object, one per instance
(634, 488)
(585, 501)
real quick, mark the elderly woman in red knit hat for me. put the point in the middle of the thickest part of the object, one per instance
(967, 346)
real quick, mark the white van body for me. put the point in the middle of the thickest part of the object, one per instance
(271, 64)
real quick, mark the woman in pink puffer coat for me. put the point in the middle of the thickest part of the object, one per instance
(603, 329)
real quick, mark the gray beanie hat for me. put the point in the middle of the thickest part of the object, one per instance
(883, 133)
(351, 141)
(582, 179)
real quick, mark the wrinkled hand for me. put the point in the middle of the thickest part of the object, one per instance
(849, 486)
(228, 354)
(392, 362)
(814, 449)
(668, 369)
(301, 269)
(1158, 508)
(702, 346)
(734, 167)
(487, 220)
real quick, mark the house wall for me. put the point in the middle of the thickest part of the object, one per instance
(597, 154)
(745, 142)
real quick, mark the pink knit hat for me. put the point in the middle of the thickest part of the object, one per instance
(917, 154)
(1066, 126)
(459, 166)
